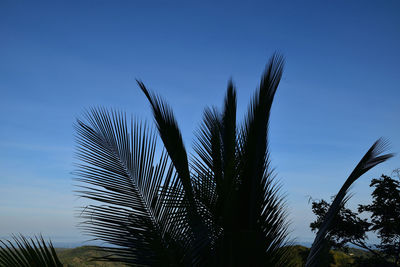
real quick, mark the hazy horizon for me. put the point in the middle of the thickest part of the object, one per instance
(339, 92)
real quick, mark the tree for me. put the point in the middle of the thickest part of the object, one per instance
(372, 158)
(221, 206)
(350, 228)
(385, 214)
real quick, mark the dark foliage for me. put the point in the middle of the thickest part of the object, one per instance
(24, 252)
(219, 207)
(385, 214)
(372, 158)
(348, 227)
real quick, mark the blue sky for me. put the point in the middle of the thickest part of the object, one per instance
(340, 90)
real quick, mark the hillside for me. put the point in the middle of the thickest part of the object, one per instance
(80, 257)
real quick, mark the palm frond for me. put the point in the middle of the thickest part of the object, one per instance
(215, 166)
(28, 252)
(229, 157)
(372, 158)
(120, 170)
(246, 204)
(207, 164)
(261, 218)
(171, 136)
(254, 146)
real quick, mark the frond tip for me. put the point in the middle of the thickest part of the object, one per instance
(372, 158)
(23, 252)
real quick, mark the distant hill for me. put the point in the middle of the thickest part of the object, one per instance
(80, 257)
(335, 259)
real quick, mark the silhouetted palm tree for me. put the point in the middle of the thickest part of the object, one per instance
(218, 207)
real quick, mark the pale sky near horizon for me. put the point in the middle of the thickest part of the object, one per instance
(339, 93)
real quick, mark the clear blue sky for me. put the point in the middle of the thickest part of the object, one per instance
(339, 93)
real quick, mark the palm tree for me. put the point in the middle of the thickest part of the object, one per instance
(221, 206)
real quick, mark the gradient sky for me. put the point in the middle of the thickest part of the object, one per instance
(340, 90)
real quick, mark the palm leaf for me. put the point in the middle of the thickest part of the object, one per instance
(215, 165)
(229, 143)
(234, 170)
(254, 142)
(171, 136)
(372, 158)
(261, 219)
(120, 170)
(24, 252)
(207, 163)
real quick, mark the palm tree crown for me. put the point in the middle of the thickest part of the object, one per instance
(218, 207)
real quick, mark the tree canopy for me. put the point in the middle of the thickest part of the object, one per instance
(383, 220)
